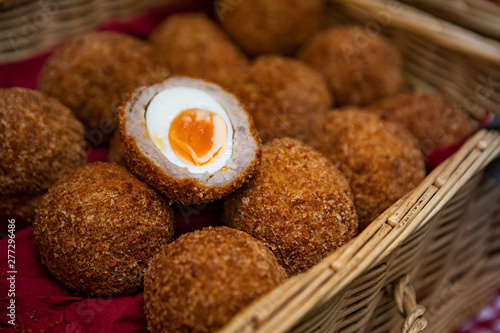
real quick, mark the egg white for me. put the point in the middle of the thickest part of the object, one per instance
(166, 105)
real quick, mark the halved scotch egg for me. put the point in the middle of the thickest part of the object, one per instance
(190, 139)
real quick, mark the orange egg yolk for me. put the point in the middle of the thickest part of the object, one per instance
(197, 136)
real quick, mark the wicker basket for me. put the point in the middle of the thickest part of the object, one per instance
(434, 256)
(482, 16)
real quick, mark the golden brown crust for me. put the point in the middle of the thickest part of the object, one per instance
(358, 66)
(98, 227)
(380, 159)
(191, 44)
(189, 188)
(270, 26)
(40, 140)
(297, 203)
(285, 97)
(432, 119)
(116, 153)
(21, 208)
(201, 280)
(93, 73)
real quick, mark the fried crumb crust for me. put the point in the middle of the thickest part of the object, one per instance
(297, 203)
(185, 190)
(380, 159)
(202, 279)
(116, 153)
(429, 116)
(359, 67)
(92, 75)
(270, 26)
(21, 208)
(40, 140)
(98, 227)
(285, 97)
(192, 44)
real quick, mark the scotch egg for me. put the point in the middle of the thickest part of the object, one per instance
(190, 139)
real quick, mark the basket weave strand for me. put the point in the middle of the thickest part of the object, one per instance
(478, 15)
(461, 64)
(405, 298)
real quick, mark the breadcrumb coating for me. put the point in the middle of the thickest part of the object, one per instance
(40, 140)
(20, 207)
(285, 97)
(358, 66)
(116, 153)
(297, 203)
(431, 118)
(202, 279)
(270, 26)
(379, 158)
(191, 44)
(98, 227)
(92, 75)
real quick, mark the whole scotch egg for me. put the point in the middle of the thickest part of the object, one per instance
(190, 139)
